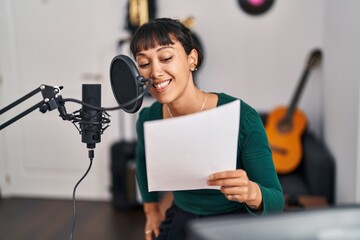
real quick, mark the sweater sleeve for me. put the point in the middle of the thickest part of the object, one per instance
(141, 175)
(257, 160)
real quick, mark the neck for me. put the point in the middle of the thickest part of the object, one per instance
(195, 106)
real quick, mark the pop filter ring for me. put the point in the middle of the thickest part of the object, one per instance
(123, 67)
(140, 82)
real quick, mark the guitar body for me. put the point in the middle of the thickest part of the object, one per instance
(285, 138)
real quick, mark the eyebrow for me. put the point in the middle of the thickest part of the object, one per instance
(157, 50)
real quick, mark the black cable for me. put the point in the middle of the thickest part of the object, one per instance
(146, 90)
(91, 157)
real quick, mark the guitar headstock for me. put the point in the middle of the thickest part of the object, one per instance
(314, 58)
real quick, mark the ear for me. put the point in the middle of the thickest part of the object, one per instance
(193, 59)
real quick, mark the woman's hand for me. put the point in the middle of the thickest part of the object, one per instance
(154, 217)
(236, 186)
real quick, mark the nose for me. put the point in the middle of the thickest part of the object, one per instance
(156, 70)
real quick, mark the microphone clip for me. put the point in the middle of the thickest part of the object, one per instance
(53, 100)
(51, 97)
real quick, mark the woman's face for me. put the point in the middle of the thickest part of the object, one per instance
(169, 68)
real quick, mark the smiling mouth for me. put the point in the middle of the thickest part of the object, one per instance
(161, 85)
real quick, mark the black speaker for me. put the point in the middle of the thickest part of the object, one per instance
(123, 188)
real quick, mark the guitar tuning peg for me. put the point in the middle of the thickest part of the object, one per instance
(315, 58)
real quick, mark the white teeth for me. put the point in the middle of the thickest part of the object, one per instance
(162, 84)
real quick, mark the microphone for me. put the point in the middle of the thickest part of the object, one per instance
(128, 87)
(127, 84)
(91, 122)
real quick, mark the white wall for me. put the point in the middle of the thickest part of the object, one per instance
(259, 59)
(341, 94)
(6, 70)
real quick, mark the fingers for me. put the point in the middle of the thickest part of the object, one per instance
(157, 232)
(229, 182)
(150, 231)
(148, 234)
(236, 198)
(234, 184)
(227, 174)
(236, 194)
(152, 225)
(229, 178)
(235, 190)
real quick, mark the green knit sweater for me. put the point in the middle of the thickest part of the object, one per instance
(253, 155)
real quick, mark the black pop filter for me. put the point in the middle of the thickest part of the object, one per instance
(126, 83)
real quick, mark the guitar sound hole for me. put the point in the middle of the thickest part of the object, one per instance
(284, 126)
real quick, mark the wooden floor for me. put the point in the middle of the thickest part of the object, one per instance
(43, 219)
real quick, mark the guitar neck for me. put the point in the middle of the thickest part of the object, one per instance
(314, 59)
(296, 97)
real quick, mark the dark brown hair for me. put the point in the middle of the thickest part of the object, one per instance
(162, 31)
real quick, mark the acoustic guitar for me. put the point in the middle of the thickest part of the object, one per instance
(285, 125)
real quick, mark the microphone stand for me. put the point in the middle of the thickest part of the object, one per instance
(51, 100)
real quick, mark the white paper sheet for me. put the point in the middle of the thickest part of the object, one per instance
(182, 152)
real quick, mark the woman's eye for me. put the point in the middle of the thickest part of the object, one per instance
(167, 59)
(143, 65)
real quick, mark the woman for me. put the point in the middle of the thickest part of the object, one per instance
(165, 52)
